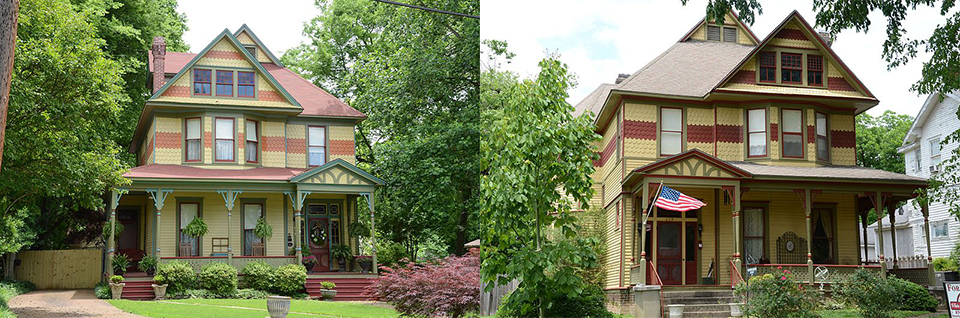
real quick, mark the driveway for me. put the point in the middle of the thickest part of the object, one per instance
(64, 303)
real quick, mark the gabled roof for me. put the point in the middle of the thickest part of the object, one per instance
(594, 100)
(687, 69)
(694, 153)
(245, 28)
(933, 100)
(237, 45)
(736, 19)
(336, 163)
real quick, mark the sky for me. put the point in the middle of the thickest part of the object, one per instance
(599, 39)
(279, 27)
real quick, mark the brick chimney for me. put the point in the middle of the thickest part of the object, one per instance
(827, 37)
(621, 78)
(159, 51)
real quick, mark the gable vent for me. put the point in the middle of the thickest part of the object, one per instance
(730, 35)
(713, 33)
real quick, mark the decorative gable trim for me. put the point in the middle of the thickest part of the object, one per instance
(695, 153)
(309, 174)
(256, 40)
(243, 52)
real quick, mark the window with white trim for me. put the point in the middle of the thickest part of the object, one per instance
(671, 131)
(252, 136)
(316, 145)
(792, 130)
(224, 139)
(940, 229)
(917, 160)
(192, 139)
(935, 154)
(757, 132)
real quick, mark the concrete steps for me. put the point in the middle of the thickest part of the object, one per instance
(700, 303)
(138, 289)
(348, 288)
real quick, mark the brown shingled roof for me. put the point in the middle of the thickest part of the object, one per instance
(687, 69)
(830, 172)
(594, 101)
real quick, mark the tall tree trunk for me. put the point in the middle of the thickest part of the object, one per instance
(8, 262)
(8, 42)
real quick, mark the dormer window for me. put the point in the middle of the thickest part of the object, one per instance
(768, 67)
(252, 49)
(791, 68)
(201, 82)
(225, 83)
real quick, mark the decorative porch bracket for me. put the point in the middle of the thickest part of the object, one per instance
(296, 199)
(158, 195)
(111, 248)
(373, 228)
(229, 198)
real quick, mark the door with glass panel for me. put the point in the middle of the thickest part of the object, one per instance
(187, 245)
(754, 231)
(323, 232)
(252, 244)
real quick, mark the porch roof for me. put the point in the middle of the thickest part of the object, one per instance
(168, 171)
(828, 172)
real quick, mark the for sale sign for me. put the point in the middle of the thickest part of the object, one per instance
(953, 298)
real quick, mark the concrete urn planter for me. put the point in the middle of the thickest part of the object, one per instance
(116, 290)
(328, 294)
(159, 291)
(676, 311)
(278, 306)
(735, 310)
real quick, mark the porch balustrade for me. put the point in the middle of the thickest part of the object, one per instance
(833, 274)
(919, 275)
(238, 262)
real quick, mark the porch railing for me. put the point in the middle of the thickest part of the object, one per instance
(834, 273)
(919, 275)
(655, 279)
(735, 276)
(238, 261)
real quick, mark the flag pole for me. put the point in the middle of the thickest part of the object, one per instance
(646, 215)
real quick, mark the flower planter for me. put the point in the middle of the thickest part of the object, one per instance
(278, 306)
(676, 311)
(366, 266)
(328, 294)
(116, 290)
(735, 310)
(343, 264)
(159, 291)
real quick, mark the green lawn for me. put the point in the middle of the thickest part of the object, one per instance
(850, 313)
(253, 308)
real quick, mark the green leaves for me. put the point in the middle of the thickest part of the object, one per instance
(878, 139)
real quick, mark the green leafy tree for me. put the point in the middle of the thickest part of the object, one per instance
(878, 139)
(415, 75)
(536, 153)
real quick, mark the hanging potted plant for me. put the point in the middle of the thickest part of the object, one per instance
(116, 286)
(159, 287)
(263, 230)
(196, 229)
(120, 264)
(148, 264)
(342, 253)
(366, 263)
(116, 232)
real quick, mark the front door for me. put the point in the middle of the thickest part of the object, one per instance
(318, 239)
(670, 252)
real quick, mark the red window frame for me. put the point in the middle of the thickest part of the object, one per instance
(814, 67)
(256, 144)
(824, 137)
(768, 60)
(252, 84)
(201, 82)
(785, 67)
(764, 131)
(233, 139)
(783, 141)
(186, 139)
(326, 155)
(660, 151)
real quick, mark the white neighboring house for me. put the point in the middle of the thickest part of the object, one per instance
(923, 153)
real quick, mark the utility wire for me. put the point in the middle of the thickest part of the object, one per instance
(430, 9)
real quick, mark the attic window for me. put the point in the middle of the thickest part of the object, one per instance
(201, 82)
(768, 67)
(814, 70)
(252, 49)
(713, 33)
(245, 84)
(730, 35)
(791, 68)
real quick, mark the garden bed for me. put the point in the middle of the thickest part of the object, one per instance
(254, 308)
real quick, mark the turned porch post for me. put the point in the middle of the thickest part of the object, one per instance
(877, 207)
(891, 212)
(642, 229)
(863, 223)
(373, 229)
(296, 199)
(735, 209)
(158, 195)
(808, 209)
(925, 210)
(111, 245)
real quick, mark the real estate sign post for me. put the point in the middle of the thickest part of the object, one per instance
(953, 298)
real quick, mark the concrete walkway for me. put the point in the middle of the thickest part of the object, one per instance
(64, 303)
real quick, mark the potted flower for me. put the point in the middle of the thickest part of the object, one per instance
(116, 286)
(118, 228)
(148, 264)
(342, 253)
(159, 287)
(327, 290)
(120, 264)
(309, 261)
(278, 306)
(366, 262)
(196, 229)
(263, 230)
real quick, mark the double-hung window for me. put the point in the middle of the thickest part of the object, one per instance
(792, 130)
(245, 84)
(316, 145)
(225, 83)
(252, 245)
(791, 68)
(935, 154)
(192, 139)
(252, 137)
(224, 139)
(823, 145)
(916, 160)
(814, 70)
(768, 67)
(201, 82)
(940, 229)
(757, 132)
(671, 131)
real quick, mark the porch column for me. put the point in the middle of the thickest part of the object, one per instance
(925, 210)
(734, 192)
(373, 229)
(642, 229)
(808, 209)
(863, 223)
(296, 199)
(877, 207)
(229, 197)
(893, 231)
(111, 245)
(158, 195)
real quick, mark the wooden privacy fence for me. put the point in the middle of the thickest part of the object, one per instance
(490, 301)
(61, 269)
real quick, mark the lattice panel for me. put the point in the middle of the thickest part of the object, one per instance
(238, 263)
(798, 255)
(920, 276)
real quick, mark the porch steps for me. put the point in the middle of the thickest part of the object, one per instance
(137, 289)
(348, 288)
(701, 303)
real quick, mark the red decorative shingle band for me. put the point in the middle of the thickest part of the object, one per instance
(341, 147)
(168, 140)
(839, 84)
(699, 133)
(270, 96)
(774, 136)
(177, 91)
(791, 34)
(276, 144)
(596, 162)
(645, 130)
(207, 139)
(744, 77)
(811, 134)
(608, 152)
(230, 55)
(240, 137)
(730, 133)
(843, 139)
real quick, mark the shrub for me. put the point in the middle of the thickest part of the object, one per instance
(180, 276)
(913, 297)
(9, 289)
(779, 295)
(251, 294)
(589, 303)
(447, 288)
(945, 264)
(116, 279)
(328, 285)
(289, 280)
(257, 275)
(872, 295)
(102, 291)
(219, 277)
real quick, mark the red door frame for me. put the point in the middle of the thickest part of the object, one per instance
(320, 251)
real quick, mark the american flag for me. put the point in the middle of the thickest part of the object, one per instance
(671, 199)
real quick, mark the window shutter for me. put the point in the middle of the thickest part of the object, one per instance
(713, 33)
(730, 35)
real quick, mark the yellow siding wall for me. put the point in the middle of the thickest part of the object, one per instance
(207, 139)
(700, 117)
(273, 129)
(612, 259)
(167, 128)
(245, 39)
(296, 155)
(640, 148)
(733, 151)
(774, 146)
(340, 135)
